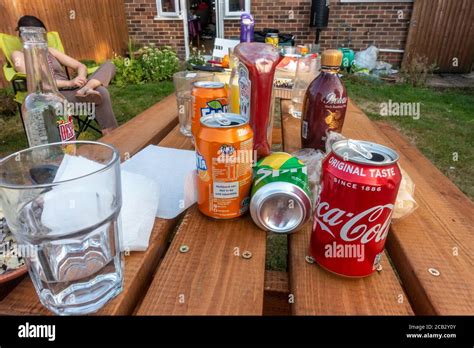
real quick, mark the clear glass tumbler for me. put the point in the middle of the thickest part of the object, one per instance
(183, 85)
(307, 70)
(63, 207)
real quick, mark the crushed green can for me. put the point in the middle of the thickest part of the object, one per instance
(280, 197)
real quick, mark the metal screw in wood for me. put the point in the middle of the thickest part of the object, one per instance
(434, 272)
(247, 255)
(379, 268)
(309, 259)
(183, 249)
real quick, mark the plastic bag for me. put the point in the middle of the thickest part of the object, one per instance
(313, 159)
(366, 59)
(405, 204)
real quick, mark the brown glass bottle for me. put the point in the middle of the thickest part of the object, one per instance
(324, 104)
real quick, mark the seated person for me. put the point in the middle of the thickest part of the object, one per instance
(81, 88)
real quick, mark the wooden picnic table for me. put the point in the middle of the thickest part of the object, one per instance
(212, 278)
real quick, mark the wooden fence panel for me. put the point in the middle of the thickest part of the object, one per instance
(443, 31)
(89, 29)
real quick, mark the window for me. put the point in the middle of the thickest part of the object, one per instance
(234, 8)
(168, 9)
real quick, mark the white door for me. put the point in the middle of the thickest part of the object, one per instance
(220, 8)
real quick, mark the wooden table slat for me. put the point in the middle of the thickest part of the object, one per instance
(211, 278)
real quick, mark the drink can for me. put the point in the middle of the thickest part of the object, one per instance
(224, 159)
(281, 200)
(209, 98)
(359, 186)
(302, 49)
(272, 39)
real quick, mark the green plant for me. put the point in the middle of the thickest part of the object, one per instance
(8, 106)
(416, 70)
(147, 64)
(128, 71)
(196, 57)
(89, 63)
(157, 63)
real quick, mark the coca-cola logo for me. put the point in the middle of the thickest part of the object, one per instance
(332, 99)
(368, 225)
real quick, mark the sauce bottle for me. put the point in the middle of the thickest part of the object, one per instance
(257, 63)
(324, 104)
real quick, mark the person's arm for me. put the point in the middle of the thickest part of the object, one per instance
(18, 59)
(81, 78)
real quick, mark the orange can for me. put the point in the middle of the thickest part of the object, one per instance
(209, 98)
(224, 160)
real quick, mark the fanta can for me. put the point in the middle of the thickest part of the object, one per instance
(224, 159)
(209, 98)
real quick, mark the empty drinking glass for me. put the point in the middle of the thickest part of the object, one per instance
(306, 71)
(183, 84)
(63, 207)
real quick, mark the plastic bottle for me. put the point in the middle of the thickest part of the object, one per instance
(324, 104)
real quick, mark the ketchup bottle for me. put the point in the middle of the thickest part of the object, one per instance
(256, 70)
(324, 104)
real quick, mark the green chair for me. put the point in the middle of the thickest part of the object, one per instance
(10, 43)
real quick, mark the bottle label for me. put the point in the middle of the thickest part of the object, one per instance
(245, 86)
(66, 128)
(304, 127)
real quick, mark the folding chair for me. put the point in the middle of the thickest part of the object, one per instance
(10, 43)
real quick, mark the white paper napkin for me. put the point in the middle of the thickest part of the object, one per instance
(174, 173)
(140, 198)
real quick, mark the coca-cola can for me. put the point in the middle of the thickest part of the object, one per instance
(359, 186)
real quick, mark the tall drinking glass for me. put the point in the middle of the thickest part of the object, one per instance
(63, 210)
(307, 70)
(183, 85)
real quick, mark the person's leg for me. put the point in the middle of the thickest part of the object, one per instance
(104, 74)
(104, 113)
(101, 77)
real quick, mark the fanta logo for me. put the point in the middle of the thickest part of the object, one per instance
(213, 107)
(226, 150)
(200, 162)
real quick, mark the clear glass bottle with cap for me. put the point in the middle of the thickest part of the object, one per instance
(45, 112)
(324, 104)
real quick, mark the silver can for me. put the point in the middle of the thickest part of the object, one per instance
(280, 200)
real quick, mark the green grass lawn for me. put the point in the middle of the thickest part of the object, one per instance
(445, 126)
(127, 102)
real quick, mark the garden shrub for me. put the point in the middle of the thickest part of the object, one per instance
(148, 64)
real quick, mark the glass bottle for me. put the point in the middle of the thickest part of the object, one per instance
(45, 111)
(324, 104)
(234, 95)
(306, 71)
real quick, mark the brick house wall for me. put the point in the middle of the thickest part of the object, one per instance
(373, 23)
(143, 28)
